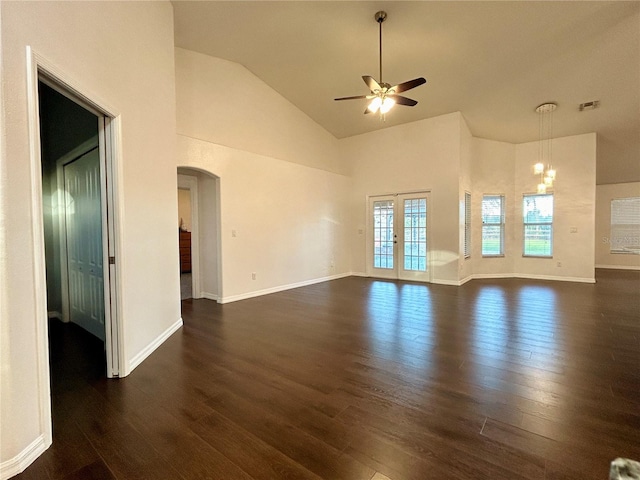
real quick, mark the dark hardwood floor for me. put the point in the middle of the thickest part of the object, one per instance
(360, 378)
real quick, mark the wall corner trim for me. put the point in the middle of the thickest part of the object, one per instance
(20, 462)
(210, 296)
(149, 349)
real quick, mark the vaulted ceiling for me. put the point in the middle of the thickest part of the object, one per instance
(492, 61)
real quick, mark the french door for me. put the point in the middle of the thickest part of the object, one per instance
(398, 237)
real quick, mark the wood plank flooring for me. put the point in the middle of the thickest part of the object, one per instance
(362, 379)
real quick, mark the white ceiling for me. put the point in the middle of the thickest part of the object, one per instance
(492, 61)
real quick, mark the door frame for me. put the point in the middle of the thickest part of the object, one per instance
(395, 273)
(110, 140)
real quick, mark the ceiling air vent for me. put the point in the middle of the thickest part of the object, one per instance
(589, 105)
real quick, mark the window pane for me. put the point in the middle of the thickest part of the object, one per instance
(492, 225)
(538, 225)
(467, 224)
(491, 240)
(625, 225)
(537, 240)
(415, 232)
(538, 208)
(492, 209)
(383, 234)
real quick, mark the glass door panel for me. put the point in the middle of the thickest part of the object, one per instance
(398, 237)
(413, 255)
(383, 232)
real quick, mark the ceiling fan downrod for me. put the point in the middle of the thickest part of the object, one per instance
(380, 17)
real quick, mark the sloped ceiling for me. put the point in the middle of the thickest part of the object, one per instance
(492, 61)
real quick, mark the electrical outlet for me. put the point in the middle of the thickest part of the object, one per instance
(253, 275)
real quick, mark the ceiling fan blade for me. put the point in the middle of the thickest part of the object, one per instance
(400, 100)
(352, 98)
(371, 83)
(403, 87)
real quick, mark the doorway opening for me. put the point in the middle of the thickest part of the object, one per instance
(75, 213)
(398, 243)
(199, 234)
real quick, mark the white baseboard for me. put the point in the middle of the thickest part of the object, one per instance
(209, 296)
(267, 291)
(54, 314)
(14, 466)
(148, 350)
(619, 267)
(477, 276)
(556, 278)
(439, 281)
(358, 274)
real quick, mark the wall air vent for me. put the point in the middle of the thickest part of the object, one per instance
(589, 105)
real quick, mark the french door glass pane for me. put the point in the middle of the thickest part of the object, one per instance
(383, 234)
(415, 234)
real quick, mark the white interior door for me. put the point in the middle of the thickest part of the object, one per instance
(83, 223)
(398, 245)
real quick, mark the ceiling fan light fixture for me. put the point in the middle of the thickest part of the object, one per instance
(387, 104)
(375, 104)
(383, 95)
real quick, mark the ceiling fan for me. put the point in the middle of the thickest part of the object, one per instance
(383, 96)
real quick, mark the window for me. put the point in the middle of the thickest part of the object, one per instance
(538, 225)
(492, 225)
(467, 224)
(625, 225)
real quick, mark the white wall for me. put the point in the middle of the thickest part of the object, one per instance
(418, 156)
(465, 265)
(604, 195)
(289, 220)
(574, 207)
(110, 50)
(493, 173)
(223, 103)
(282, 184)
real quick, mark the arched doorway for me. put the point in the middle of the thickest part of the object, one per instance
(199, 233)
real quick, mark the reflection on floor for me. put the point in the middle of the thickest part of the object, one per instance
(185, 286)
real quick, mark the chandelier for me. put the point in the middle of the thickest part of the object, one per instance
(544, 167)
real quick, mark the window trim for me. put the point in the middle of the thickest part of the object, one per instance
(526, 224)
(501, 225)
